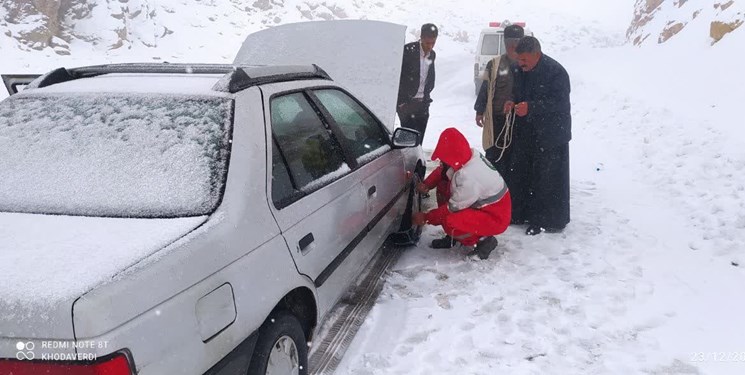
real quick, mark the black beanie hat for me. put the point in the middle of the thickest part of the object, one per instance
(514, 32)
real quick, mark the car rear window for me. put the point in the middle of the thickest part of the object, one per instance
(113, 155)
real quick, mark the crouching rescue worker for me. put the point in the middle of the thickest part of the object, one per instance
(479, 206)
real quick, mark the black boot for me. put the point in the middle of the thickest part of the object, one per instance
(442, 243)
(534, 229)
(485, 246)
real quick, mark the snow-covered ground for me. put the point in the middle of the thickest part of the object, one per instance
(649, 277)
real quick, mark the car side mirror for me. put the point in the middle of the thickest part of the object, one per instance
(405, 138)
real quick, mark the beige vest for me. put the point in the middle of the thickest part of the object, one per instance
(487, 136)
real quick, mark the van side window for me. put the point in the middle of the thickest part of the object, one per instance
(313, 156)
(361, 134)
(493, 44)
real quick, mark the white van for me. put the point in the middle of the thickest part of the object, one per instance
(491, 45)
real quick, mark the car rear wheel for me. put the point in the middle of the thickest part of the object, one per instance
(281, 348)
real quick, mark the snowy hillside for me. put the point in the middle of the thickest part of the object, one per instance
(657, 21)
(79, 32)
(648, 278)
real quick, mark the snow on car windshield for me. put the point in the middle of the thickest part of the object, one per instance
(113, 155)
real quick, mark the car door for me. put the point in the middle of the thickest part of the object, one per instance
(365, 141)
(318, 203)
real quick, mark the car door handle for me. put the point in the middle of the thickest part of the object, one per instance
(306, 241)
(371, 191)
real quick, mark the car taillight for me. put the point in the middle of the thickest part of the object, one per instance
(116, 365)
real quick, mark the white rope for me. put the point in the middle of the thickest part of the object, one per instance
(505, 134)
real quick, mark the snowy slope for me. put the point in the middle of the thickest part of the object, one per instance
(661, 21)
(212, 31)
(648, 278)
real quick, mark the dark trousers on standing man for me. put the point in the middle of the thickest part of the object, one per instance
(500, 160)
(539, 184)
(415, 115)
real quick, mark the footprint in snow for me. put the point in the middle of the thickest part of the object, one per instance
(443, 300)
(420, 337)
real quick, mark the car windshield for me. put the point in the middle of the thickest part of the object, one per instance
(113, 155)
(492, 44)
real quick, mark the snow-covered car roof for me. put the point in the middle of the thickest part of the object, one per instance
(161, 78)
(193, 84)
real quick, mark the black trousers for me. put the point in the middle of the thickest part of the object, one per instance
(414, 115)
(539, 185)
(493, 153)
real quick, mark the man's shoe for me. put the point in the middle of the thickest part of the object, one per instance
(534, 229)
(553, 230)
(485, 246)
(442, 243)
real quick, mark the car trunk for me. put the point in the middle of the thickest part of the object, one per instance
(48, 261)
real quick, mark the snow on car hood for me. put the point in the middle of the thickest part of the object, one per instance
(46, 259)
(363, 56)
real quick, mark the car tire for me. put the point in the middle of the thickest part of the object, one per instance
(281, 347)
(413, 204)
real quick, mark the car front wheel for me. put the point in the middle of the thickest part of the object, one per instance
(414, 204)
(281, 348)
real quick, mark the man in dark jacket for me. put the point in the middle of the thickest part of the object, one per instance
(417, 81)
(540, 184)
(496, 89)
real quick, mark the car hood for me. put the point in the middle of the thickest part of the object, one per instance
(363, 56)
(48, 261)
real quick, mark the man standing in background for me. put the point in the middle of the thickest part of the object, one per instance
(543, 129)
(496, 89)
(417, 81)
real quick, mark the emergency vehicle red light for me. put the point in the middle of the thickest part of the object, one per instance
(494, 24)
(521, 24)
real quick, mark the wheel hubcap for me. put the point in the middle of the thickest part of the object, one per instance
(283, 358)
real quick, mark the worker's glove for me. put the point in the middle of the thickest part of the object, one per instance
(419, 218)
(422, 188)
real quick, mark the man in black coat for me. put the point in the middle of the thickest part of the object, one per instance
(417, 81)
(543, 129)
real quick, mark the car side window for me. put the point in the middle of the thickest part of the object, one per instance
(283, 190)
(313, 156)
(361, 134)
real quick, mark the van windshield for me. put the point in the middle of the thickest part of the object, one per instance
(113, 155)
(493, 44)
